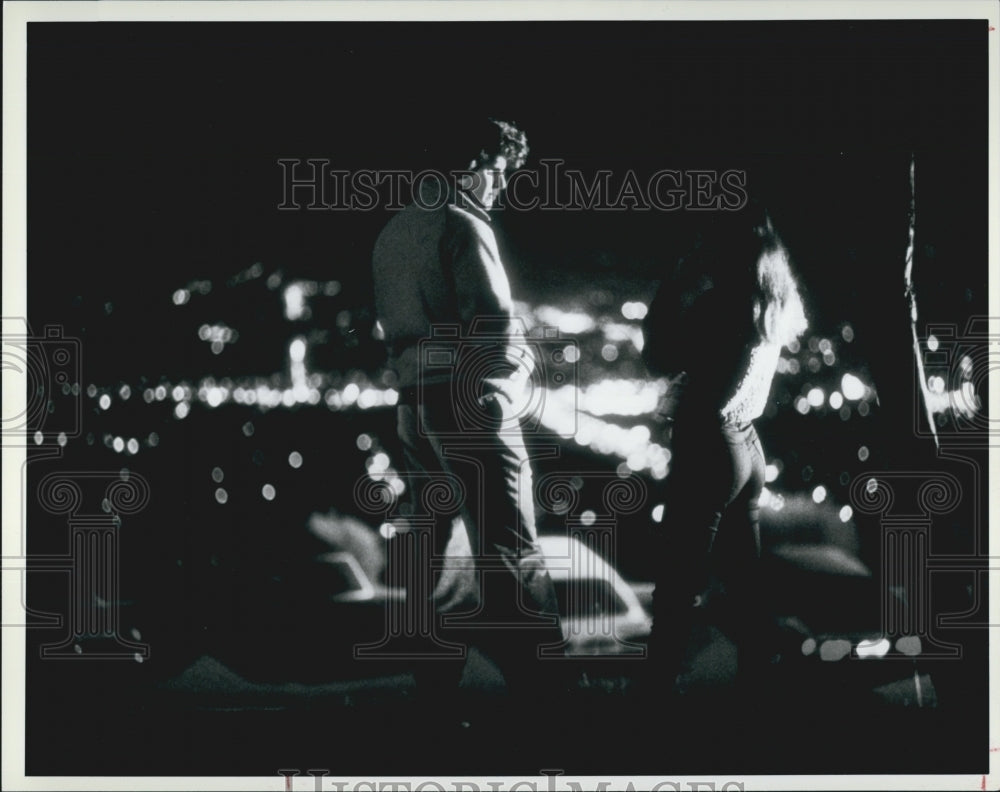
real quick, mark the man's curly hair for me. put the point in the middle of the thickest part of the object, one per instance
(501, 138)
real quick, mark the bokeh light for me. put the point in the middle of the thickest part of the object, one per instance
(873, 647)
(852, 387)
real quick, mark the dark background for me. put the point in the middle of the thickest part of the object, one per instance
(152, 165)
(153, 148)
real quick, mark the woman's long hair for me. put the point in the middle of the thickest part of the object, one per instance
(778, 312)
(742, 255)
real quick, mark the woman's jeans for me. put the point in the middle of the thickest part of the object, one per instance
(711, 517)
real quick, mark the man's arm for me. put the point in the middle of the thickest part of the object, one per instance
(484, 301)
(481, 286)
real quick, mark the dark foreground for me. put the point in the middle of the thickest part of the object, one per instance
(854, 716)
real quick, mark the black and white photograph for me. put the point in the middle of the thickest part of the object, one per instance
(499, 396)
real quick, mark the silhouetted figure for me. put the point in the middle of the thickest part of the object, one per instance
(718, 325)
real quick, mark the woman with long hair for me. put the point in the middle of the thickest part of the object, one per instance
(717, 327)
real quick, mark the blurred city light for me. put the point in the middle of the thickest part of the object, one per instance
(635, 310)
(834, 649)
(572, 323)
(852, 387)
(295, 304)
(873, 647)
(616, 397)
(909, 645)
(771, 500)
(618, 333)
(218, 336)
(613, 417)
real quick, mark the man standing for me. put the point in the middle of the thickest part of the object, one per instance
(443, 302)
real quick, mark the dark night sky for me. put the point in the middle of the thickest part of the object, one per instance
(153, 148)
